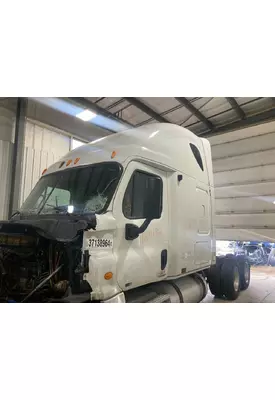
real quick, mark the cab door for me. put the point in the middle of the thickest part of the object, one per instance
(144, 259)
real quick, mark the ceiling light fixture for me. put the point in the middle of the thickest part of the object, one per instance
(86, 115)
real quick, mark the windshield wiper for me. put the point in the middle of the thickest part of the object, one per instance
(47, 198)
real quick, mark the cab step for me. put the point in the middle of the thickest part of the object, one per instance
(162, 298)
(143, 295)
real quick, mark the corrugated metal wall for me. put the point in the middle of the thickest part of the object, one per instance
(45, 142)
(43, 146)
(244, 177)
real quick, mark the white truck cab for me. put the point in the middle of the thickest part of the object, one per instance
(151, 191)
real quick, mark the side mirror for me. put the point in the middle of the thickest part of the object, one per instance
(152, 209)
(153, 203)
(131, 232)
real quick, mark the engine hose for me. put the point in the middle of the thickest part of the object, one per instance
(42, 283)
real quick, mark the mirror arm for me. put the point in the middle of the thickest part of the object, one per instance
(132, 231)
(144, 226)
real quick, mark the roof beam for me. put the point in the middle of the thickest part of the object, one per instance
(146, 109)
(189, 106)
(97, 109)
(256, 119)
(98, 100)
(236, 107)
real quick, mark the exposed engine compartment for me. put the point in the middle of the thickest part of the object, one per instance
(42, 260)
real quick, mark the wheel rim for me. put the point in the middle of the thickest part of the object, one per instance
(236, 280)
(246, 272)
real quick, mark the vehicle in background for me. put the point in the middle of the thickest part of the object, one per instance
(224, 247)
(256, 252)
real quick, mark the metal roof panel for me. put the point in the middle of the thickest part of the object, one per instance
(258, 105)
(135, 116)
(108, 101)
(244, 100)
(224, 118)
(217, 110)
(120, 106)
(179, 115)
(201, 101)
(92, 99)
(215, 106)
(192, 119)
(160, 104)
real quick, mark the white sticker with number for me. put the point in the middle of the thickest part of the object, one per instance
(103, 243)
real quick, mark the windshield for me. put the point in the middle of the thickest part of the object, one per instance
(79, 190)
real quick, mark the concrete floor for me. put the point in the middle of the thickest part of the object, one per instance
(261, 289)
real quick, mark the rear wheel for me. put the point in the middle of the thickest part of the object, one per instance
(244, 269)
(271, 258)
(230, 279)
(214, 279)
(224, 279)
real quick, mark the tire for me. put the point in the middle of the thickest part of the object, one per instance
(230, 278)
(229, 255)
(214, 279)
(244, 270)
(271, 258)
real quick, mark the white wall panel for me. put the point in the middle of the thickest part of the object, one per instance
(252, 174)
(6, 147)
(244, 179)
(246, 221)
(246, 204)
(266, 235)
(245, 145)
(46, 141)
(248, 190)
(5, 176)
(249, 132)
(252, 159)
(43, 147)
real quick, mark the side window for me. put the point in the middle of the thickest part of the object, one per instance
(140, 187)
(197, 155)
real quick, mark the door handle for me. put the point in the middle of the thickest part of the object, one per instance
(163, 261)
